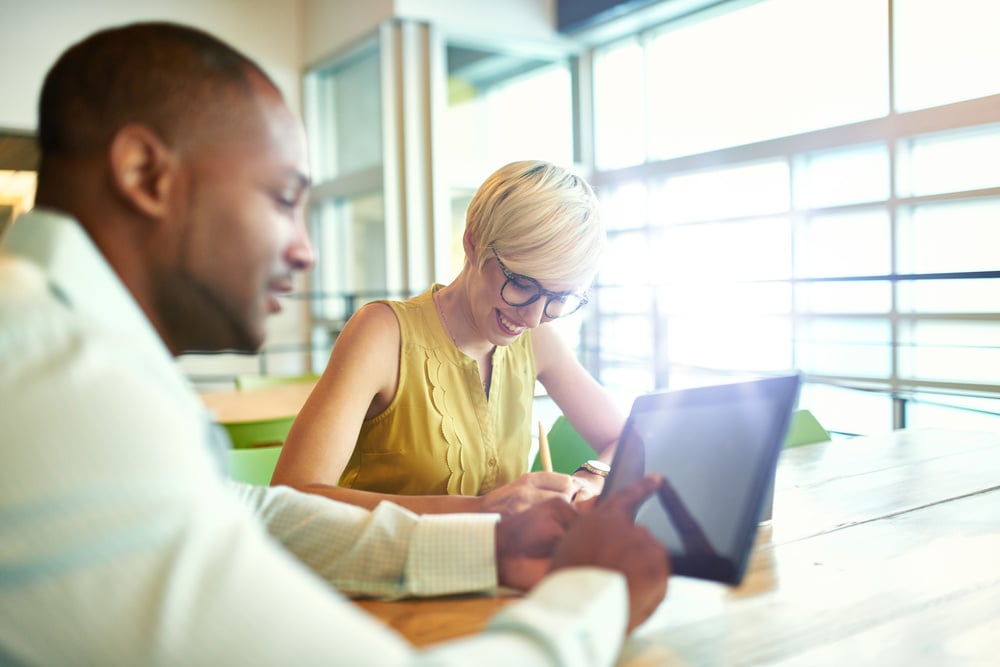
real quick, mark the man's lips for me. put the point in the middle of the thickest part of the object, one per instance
(282, 285)
(275, 289)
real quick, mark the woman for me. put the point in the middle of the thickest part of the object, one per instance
(428, 402)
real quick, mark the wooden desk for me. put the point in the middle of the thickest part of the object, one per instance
(882, 550)
(437, 619)
(266, 403)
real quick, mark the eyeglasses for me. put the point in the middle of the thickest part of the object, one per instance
(521, 291)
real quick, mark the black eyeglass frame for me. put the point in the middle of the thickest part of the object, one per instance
(540, 291)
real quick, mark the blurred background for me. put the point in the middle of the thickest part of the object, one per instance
(787, 184)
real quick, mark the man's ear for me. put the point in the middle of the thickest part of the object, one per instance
(141, 169)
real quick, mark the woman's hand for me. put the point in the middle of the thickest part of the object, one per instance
(587, 485)
(528, 490)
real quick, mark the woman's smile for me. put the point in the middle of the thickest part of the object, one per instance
(508, 327)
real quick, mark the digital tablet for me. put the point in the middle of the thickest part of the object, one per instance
(717, 448)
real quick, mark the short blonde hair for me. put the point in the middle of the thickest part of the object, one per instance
(543, 221)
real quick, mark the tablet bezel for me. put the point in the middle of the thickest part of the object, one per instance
(629, 464)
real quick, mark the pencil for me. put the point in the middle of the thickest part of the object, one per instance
(543, 448)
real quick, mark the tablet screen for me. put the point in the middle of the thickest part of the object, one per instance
(717, 448)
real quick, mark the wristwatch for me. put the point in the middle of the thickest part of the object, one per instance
(595, 467)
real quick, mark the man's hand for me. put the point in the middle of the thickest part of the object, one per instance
(605, 536)
(525, 542)
(529, 489)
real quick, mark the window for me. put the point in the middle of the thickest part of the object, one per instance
(502, 107)
(768, 210)
(944, 51)
(343, 112)
(351, 232)
(950, 161)
(743, 76)
(344, 116)
(620, 105)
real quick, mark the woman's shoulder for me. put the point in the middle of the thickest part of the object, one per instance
(417, 318)
(374, 325)
(376, 314)
(546, 345)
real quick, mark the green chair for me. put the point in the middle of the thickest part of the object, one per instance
(254, 465)
(568, 448)
(250, 382)
(805, 429)
(259, 433)
(256, 447)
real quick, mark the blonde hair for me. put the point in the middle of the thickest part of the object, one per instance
(543, 221)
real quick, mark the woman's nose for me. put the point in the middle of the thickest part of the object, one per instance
(533, 314)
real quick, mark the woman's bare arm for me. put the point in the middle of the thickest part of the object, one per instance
(359, 382)
(587, 405)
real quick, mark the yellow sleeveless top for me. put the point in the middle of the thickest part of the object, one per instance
(440, 434)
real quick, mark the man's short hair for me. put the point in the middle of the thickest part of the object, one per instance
(163, 75)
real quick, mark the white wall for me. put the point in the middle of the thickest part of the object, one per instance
(282, 35)
(33, 34)
(330, 26)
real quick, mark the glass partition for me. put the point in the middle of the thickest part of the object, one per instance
(344, 116)
(343, 112)
(502, 106)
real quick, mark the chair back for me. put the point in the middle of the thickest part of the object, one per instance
(259, 433)
(568, 448)
(256, 447)
(805, 429)
(250, 382)
(254, 465)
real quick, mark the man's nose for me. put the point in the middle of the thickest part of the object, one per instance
(300, 255)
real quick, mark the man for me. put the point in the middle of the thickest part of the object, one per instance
(169, 217)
